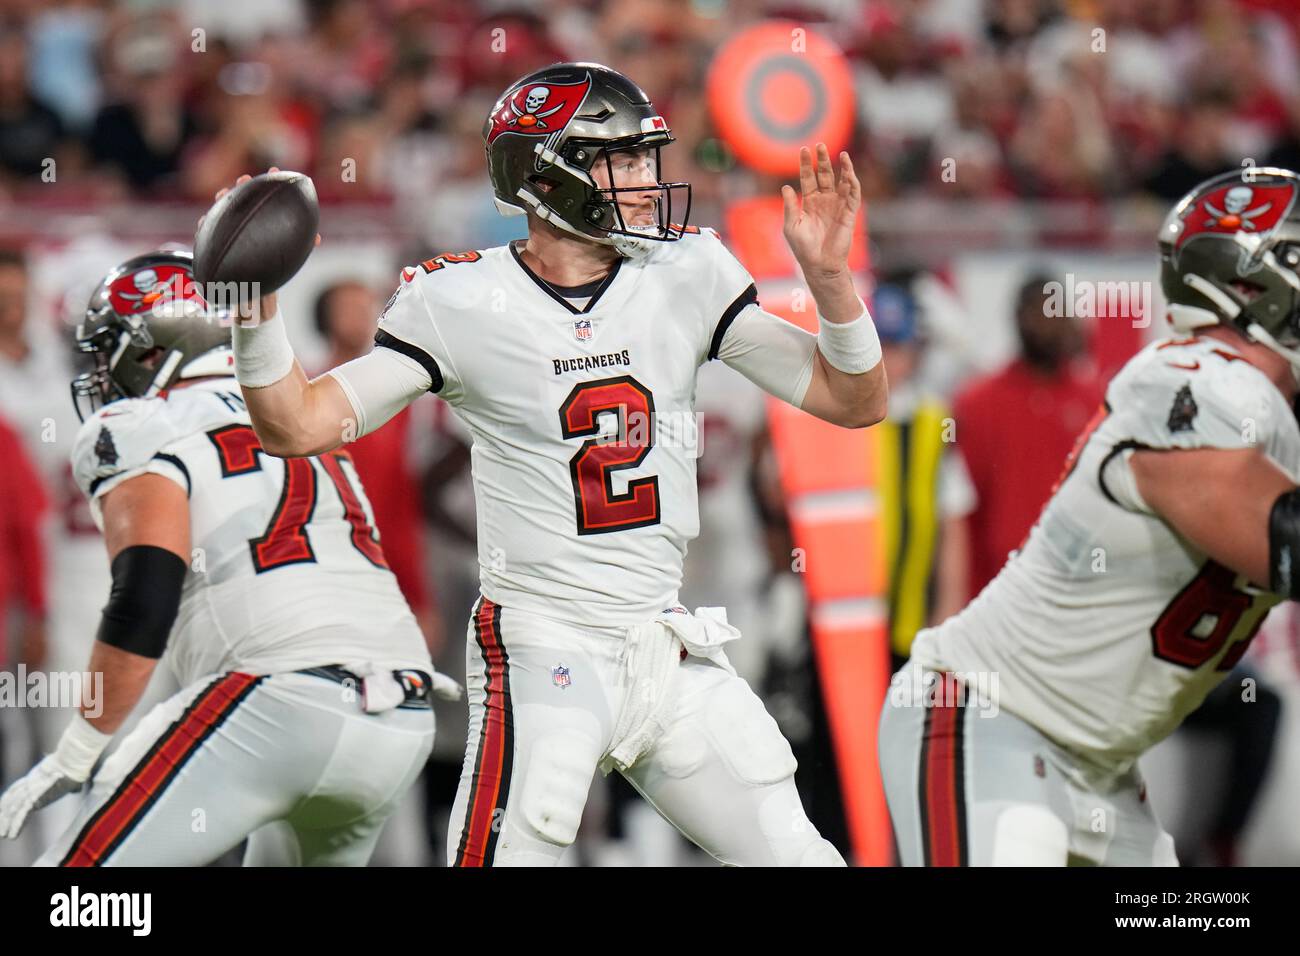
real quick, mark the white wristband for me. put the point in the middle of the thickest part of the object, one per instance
(79, 748)
(852, 347)
(263, 354)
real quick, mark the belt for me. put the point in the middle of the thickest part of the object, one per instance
(417, 686)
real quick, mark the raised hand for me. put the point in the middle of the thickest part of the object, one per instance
(819, 223)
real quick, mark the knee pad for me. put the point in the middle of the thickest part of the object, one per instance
(1026, 834)
(559, 774)
(747, 738)
(787, 832)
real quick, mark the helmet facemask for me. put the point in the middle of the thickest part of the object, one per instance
(553, 128)
(1264, 261)
(566, 194)
(622, 167)
(1230, 253)
(109, 338)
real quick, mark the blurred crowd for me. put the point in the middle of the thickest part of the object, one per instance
(383, 101)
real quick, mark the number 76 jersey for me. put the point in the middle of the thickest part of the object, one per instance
(1107, 628)
(286, 569)
(581, 409)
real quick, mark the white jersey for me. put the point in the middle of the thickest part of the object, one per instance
(584, 437)
(286, 570)
(1108, 628)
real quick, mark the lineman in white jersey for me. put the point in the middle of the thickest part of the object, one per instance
(1013, 736)
(305, 710)
(572, 359)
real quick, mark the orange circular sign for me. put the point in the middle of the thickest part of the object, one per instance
(778, 86)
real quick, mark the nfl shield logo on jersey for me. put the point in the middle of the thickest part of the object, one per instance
(560, 676)
(582, 329)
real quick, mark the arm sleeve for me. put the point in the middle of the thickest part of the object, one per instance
(774, 354)
(1117, 479)
(380, 384)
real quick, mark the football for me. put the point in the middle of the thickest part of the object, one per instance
(261, 232)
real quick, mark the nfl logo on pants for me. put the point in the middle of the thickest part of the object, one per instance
(560, 676)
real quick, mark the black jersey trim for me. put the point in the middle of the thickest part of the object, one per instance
(1126, 445)
(600, 285)
(389, 341)
(748, 297)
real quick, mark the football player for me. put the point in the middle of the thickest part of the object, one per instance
(572, 359)
(1013, 736)
(305, 711)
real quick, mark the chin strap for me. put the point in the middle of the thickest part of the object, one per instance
(633, 247)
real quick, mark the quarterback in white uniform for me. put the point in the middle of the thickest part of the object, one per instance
(1013, 735)
(305, 710)
(572, 359)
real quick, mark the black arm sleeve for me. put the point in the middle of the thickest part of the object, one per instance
(144, 601)
(1284, 545)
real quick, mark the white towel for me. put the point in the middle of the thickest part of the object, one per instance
(651, 656)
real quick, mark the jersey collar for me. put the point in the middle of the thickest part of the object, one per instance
(594, 289)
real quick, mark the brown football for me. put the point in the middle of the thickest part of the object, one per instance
(261, 232)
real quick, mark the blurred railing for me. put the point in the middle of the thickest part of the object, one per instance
(133, 219)
(920, 231)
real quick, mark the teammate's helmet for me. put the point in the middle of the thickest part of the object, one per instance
(148, 326)
(547, 132)
(1229, 253)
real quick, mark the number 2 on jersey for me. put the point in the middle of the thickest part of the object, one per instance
(599, 509)
(285, 540)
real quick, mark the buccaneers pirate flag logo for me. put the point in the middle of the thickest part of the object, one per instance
(146, 288)
(538, 109)
(1236, 207)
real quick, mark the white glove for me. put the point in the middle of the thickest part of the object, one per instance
(62, 772)
(446, 688)
(383, 691)
(43, 784)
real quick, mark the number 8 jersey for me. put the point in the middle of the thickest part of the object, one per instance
(1107, 628)
(286, 570)
(581, 408)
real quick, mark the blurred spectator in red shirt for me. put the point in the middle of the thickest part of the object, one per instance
(346, 315)
(1016, 427)
(22, 555)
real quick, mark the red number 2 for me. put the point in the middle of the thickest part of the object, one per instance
(599, 509)
(285, 540)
